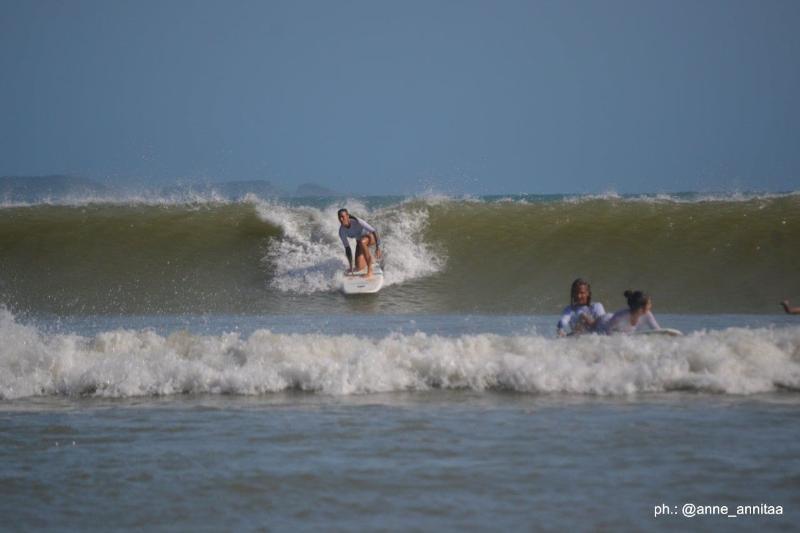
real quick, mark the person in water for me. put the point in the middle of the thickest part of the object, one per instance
(629, 320)
(365, 236)
(790, 310)
(581, 315)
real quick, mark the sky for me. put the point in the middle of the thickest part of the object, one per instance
(379, 97)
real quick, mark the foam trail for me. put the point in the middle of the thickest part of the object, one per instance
(309, 257)
(126, 363)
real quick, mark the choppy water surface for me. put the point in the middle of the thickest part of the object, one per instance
(452, 459)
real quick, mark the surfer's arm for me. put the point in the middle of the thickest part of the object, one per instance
(349, 253)
(650, 320)
(592, 319)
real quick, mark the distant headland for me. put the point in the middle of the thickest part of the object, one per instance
(33, 189)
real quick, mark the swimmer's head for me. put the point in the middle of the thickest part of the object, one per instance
(638, 301)
(581, 292)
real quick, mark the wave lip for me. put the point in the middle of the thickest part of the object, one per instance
(129, 363)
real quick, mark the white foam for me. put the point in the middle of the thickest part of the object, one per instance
(309, 256)
(683, 198)
(189, 196)
(433, 199)
(144, 198)
(125, 363)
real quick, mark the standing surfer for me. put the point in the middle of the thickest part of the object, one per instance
(365, 236)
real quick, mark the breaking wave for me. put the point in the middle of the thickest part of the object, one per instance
(694, 254)
(129, 363)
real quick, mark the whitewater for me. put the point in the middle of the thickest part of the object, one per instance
(131, 363)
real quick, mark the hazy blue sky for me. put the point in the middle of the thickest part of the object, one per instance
(388, 97)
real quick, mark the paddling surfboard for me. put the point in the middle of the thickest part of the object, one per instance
(358, 283)
(669, 332)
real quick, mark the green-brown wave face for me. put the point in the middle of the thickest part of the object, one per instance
(130, 259)
(714, 257)
(517, 256)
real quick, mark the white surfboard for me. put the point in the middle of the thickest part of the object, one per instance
(358, 283)
(669, 332)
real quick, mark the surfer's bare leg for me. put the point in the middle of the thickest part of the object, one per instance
(365, 256)
(361, 259)
(790, 310)
(359, 263)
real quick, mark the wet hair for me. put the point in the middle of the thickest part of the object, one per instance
(636, 299)
(573, 291)
(340, 211)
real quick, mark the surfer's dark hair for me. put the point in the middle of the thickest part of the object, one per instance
(636, 299)
(340, 211)
(573, 291)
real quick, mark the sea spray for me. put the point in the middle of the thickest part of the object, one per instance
(129, 363)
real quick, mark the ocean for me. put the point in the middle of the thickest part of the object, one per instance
(189, 364)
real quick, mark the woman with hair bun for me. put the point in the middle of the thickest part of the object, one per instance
(581, 315)
(632, 319)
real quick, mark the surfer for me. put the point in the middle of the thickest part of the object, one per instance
(628, 320)
(581, 315)
(790, 310)
(365, 236)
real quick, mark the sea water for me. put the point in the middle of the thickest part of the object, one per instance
(192, 366)
(422, 460)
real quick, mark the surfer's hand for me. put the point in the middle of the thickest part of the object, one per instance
(378, 253)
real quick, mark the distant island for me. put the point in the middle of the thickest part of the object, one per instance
(34, 189)
(312, 189)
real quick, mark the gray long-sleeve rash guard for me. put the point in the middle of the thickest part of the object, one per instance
(358, 228)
